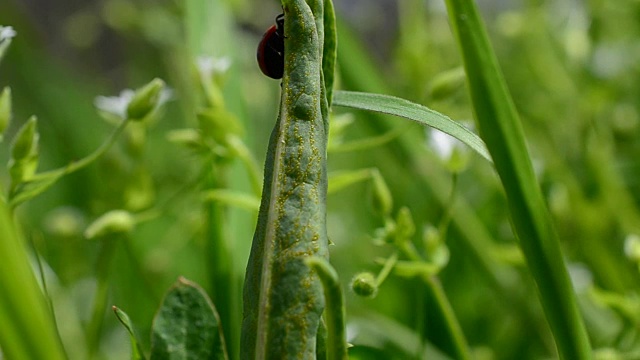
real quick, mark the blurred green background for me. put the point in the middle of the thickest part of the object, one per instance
(572, 68)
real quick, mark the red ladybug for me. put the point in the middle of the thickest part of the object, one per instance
(271, 50)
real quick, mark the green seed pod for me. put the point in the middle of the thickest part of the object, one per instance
(113, 222)
(364, 284)
(5, 110)
(145, 100)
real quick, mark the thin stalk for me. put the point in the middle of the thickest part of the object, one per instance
(100, 300)
(220, 258)
(453, 329)
(79, 164)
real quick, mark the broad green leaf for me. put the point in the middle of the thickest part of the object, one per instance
(403, 108)
(136, 349)
(500, 127)
(187, 326)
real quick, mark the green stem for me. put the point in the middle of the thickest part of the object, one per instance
(220, 258)
(94, 328)
(455, 336)
(335, 308)
(386, 269)
(448, 211)
(79, 164)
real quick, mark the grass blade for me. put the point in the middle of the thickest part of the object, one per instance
(403, 108)
(501, 129)
(27, 329)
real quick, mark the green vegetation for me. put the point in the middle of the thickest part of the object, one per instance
(366, 236)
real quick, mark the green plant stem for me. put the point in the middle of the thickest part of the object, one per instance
(100, 300)
(40, 182)
(387, 268)
(448, 212)
(335, 308)
(457, 341)
(79, 164)
(249, 162)
(220, 257)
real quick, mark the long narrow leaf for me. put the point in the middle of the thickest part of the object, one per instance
(403, 108)
(27, 329)
(501, 129)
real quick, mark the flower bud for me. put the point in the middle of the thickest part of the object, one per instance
(24, 153)
(405, 227)
(113, 222)
(145, 100)
(364, 284)
(5, 109)
(26, 141)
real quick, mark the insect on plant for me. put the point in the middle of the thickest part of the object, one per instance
(271, 50)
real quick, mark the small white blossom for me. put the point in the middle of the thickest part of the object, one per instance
(7, 32)
(117, 105)
(443, 144)
(209, 65)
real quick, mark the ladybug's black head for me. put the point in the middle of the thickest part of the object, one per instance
(280, 24)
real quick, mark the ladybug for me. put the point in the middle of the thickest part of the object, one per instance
(271, 50)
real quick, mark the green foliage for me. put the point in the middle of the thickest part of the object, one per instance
(187, 326)
(501, 128)
(282, 297)
(466, 257)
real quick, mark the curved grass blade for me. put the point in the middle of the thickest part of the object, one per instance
(500, 127)
(27, 329)
(403, 108)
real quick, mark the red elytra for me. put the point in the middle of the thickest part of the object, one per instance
(271, 50)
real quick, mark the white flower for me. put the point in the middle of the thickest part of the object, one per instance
(117, 105)
(6, 32)
(209, 65)
(443, 144)
(453, 153)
